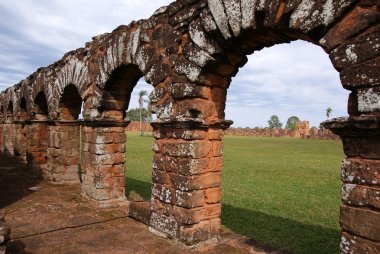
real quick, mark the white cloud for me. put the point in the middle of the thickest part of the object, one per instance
(295, 79)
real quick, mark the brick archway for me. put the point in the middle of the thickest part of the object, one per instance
(188, 51)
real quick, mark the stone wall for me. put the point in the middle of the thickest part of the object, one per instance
(301, 131)
(189, 52)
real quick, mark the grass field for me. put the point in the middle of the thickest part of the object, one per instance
(281, 192)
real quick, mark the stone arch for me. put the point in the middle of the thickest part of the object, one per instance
(189, 51)
(213, 48)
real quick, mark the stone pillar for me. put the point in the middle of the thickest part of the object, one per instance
(63, 152)
(36, 146)
(9, 138)
(103, 159)
(360, 211)
(186, 191)
(2, 144)
(20, 129)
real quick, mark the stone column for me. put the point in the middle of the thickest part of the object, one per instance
(103, 159)
(186, 191)
(2, 144)
(36, 146)
(20, 129)
(9, 138)
(63, 152)
(360, 173)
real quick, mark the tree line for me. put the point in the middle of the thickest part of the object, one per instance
(275, 123)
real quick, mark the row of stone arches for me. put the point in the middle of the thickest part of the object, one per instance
(189, 51)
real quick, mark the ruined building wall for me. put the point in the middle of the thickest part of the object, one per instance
(189, 51)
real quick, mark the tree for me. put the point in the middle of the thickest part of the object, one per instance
(134, 115)
(328, 112)
(274, 122)
(142, 94)
(291, 123)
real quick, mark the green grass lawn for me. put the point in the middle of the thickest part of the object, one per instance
(281, 192)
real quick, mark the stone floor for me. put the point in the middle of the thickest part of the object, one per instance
(47, 218)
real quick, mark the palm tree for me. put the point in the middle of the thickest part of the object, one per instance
(142, 94)
(328, 112)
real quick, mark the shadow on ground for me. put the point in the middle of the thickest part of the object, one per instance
(285, 234)
(143, 189)
(15, 180)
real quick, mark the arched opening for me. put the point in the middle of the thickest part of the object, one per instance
(105, 181)
(40, 111)
(23, 112)
(117, 92)
(139, 146)
(70, 104)
(285, 191)
(187, 195)
(10, 115)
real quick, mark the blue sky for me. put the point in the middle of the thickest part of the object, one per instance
(288, 79)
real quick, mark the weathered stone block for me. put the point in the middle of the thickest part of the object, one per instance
(169, 163)
(365, 147)
(188, 167)
(163, 193)
(160, 177)
(355, 244)
(188, 216)
(353, 23)
(213, 195)
(195, 149)
(362, 75)
(165, 224)
(361, 171)
(369, 99)
(216, 164)
(197, 182)
(360, 49)
(361, 222)
(219, 13)
(190, 199)
(312, 14)
(359, 195)
(196, 233)
(189, 70)
(212, 210)
(188, 90)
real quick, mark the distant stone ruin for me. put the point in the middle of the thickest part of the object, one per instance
(189, 51)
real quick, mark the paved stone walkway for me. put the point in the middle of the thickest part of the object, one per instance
(47, 218)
